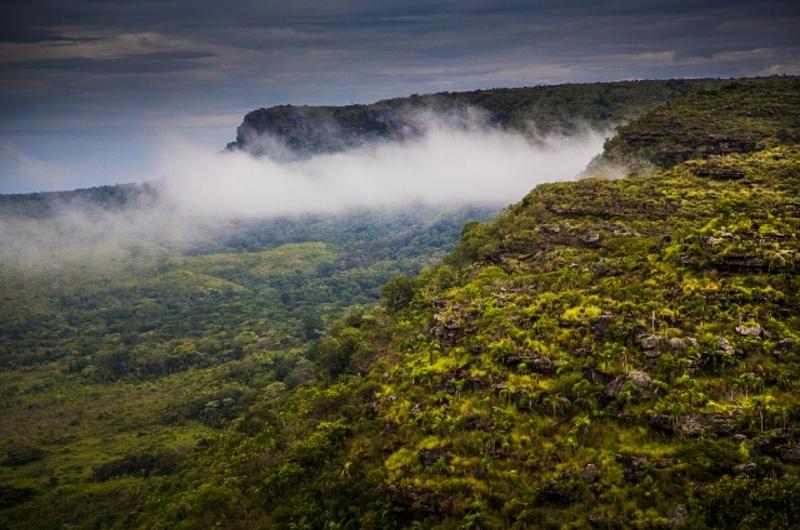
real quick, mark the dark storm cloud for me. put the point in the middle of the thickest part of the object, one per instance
(30, 35)
(198, 17)
(425, 33)
(156, 62)
(382, 44)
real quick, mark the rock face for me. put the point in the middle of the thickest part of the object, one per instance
(778, 443)
(635, 467)
(725, 346)
(695, 424)
(753, 330)
(791, 454)
(783, 347)
(451, 323)
(636, 380)
(653, 344)
(751, 469)
(590, 238)
(590, 473)
(678, 516)
(531, 361)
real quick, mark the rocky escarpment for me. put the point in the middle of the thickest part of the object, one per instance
(736, 116)
(287, 130)
(318, 129)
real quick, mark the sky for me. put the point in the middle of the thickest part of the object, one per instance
(93, 91)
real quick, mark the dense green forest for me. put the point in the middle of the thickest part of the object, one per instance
(603, 354)
(119, 350)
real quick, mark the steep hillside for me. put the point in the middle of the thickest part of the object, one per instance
(607, 354)
(561, 109)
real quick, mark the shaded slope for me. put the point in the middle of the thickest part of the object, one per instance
(731, 117)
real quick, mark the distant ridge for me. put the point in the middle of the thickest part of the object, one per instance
(112, 196)
(540, 110)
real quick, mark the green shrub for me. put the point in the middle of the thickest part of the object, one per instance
(398, 293)
(747, 504)
(19, 456)
(138, 465)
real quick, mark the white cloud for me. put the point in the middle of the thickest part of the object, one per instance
(204, 190)
(445, 166)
